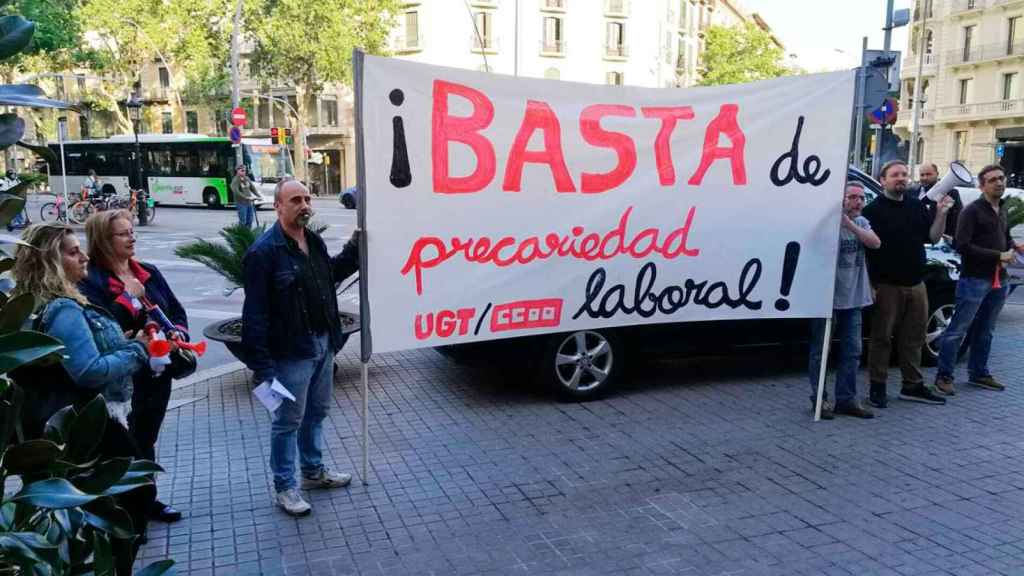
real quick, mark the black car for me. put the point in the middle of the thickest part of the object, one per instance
(586, 364)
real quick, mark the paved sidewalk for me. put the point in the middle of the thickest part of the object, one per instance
(700, 468)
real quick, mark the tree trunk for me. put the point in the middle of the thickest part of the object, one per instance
(302, 92)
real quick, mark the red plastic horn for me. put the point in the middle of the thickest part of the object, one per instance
(996, 285)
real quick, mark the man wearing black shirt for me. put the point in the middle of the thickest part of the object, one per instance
(928, 176)
(290, 334)
(983, 239)
(897, 269)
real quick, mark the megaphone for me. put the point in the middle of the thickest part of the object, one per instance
(958, 175)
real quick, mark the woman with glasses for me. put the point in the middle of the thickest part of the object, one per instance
(98, 360)
(128, 288)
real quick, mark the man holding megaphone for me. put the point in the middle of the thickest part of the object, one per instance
(983, 240)
(928, 178)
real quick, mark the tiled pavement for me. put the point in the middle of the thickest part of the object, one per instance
(697, 467)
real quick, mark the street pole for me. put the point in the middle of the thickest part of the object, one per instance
(862, 80)
(235, 99)
(915, 123)
(880, 131)
(515, 54)
(61, 126)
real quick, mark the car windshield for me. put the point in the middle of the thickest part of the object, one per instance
(269, 163)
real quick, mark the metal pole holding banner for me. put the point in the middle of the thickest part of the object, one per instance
(365, 341)
(62, 124)
(823, 370)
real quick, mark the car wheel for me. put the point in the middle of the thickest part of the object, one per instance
(941, 305)
(583, 365)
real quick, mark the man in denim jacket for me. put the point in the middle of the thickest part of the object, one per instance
(291, 333)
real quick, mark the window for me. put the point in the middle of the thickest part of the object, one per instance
(553, 40)
(412, 29)
(960, 142)
(192, 122)
(483, 38)
(159, 162)
(60, 87)
(1011, 34)
(167, 122)
(556, 4)
(615, 38)
(668, 47)
(80, 79)
(263, 113)
(329, 112)
(681, 56)
(1010, 85)
(965, 90)
(615, 6)
(552, 74)
(929, 38)
(614, 78)
(165, 82)
(83, 127)
(968, 41)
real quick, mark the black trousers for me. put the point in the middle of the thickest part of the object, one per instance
(149, 406)
(118, 442)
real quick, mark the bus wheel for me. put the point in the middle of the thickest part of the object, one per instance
(210, 198)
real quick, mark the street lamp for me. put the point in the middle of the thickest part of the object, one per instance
(134, 106)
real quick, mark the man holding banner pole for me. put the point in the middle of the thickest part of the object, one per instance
(852, 293)
(290, 333)
(897, 271)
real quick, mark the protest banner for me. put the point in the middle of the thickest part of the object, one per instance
(498, 207)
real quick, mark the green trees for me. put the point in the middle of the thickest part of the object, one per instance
(738, 54)
(307, 44)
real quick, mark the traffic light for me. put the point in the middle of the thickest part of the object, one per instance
(287, 135)
(275, 136)
(281, 135)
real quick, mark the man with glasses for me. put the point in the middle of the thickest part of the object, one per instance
(983, 240)
(897, 272)
(852, 293)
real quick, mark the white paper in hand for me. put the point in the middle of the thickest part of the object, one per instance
(272, 394)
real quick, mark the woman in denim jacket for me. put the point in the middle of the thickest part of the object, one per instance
(98, 358)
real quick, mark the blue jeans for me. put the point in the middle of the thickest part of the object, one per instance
(300, 423)
(847, 326)
(978, 303)
(246, 214)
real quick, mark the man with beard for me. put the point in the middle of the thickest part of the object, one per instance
(983, 238)
(291, 333)
(928, 176)
(897, 270)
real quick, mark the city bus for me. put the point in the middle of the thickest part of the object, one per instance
(178, 169)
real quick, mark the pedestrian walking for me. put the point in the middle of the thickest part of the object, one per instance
(984, 242)
(290, 333)
(897, 271)
(852, 293)
(98, 359)
(122, 285)
(245, 193)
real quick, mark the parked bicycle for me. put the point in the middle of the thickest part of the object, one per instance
(54, 211)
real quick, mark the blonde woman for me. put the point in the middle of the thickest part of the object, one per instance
(98, 358)
(120, 284)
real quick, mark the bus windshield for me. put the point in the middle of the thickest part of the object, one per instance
(269, 162)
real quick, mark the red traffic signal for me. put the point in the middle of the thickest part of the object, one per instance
(273, 132)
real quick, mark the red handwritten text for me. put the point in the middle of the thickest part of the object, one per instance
(430, 251)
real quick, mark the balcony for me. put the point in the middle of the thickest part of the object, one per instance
(485, 44)
(616, 8)
(905, 117)
(909, 66)
(985, 53)
(553, 5)
(981, 111)
(485, 3)
(406, 44)
(616, 51)
(961, 6)
(553, 48)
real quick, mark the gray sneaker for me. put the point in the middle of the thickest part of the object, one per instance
(987, 382)
(291, 502)
(326, 479)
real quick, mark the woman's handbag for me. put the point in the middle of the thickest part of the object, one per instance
(183, 364)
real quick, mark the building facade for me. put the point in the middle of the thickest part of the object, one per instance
(972, 108)
(650, 43)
